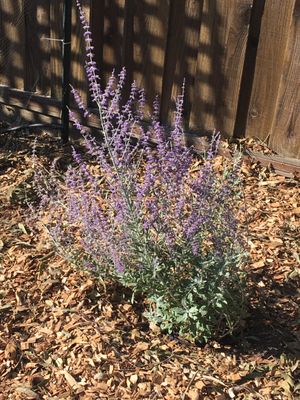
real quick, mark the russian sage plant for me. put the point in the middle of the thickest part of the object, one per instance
(147, 217)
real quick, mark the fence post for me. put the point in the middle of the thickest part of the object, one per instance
(67, 24)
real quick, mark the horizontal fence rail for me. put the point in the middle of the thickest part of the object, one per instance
(239, 60)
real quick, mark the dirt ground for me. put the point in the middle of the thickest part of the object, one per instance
(62, 336)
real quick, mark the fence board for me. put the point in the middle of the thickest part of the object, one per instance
(181, 55)
(150, 23)
(78, 76)
(31, 51)
(17, 115)
(285, 132)
(37, 105)
(97, 29)
(56, 36)
(44, 46)
(12, 43)
(274, 33)
(224, 25)
(113, 37)
(31, 55)
(249, 68)
(128, 38)
(37, 50)
(34, 102)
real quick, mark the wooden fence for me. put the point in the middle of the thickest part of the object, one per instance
(239, 59)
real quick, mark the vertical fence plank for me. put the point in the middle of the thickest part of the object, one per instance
(249, 68)
(128, 35)
(285, 132)
(37, 50)
(78, 76)
(181, 55)
(97, 26)
(56, 34)
(12, 44)
(274, 33)
(113, 37)
(44, 46)
(31, 54)
(150, 39)
(223, 38)
(97, 29)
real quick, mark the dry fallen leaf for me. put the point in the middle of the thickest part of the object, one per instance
(199, 384)
(133, 379)
(11, 351)
(275, 243)
(69, 378)
(27, 393)
(296, 211)
(231, 393)
(258, 264)
(139, 347)
(194, 394)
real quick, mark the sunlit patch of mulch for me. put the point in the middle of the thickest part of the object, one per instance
(65, 336)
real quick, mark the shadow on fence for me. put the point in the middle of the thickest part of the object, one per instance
(217, 47)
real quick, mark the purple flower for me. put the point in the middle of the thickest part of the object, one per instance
(79, 102)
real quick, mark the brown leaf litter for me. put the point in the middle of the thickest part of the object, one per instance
(62, 336)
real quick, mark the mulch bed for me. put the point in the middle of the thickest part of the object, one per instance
(65, 336)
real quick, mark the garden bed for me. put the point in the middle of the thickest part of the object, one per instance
(62, 336)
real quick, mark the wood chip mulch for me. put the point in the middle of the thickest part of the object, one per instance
(64, 336)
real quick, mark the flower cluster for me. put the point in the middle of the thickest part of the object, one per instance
(147, 217)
